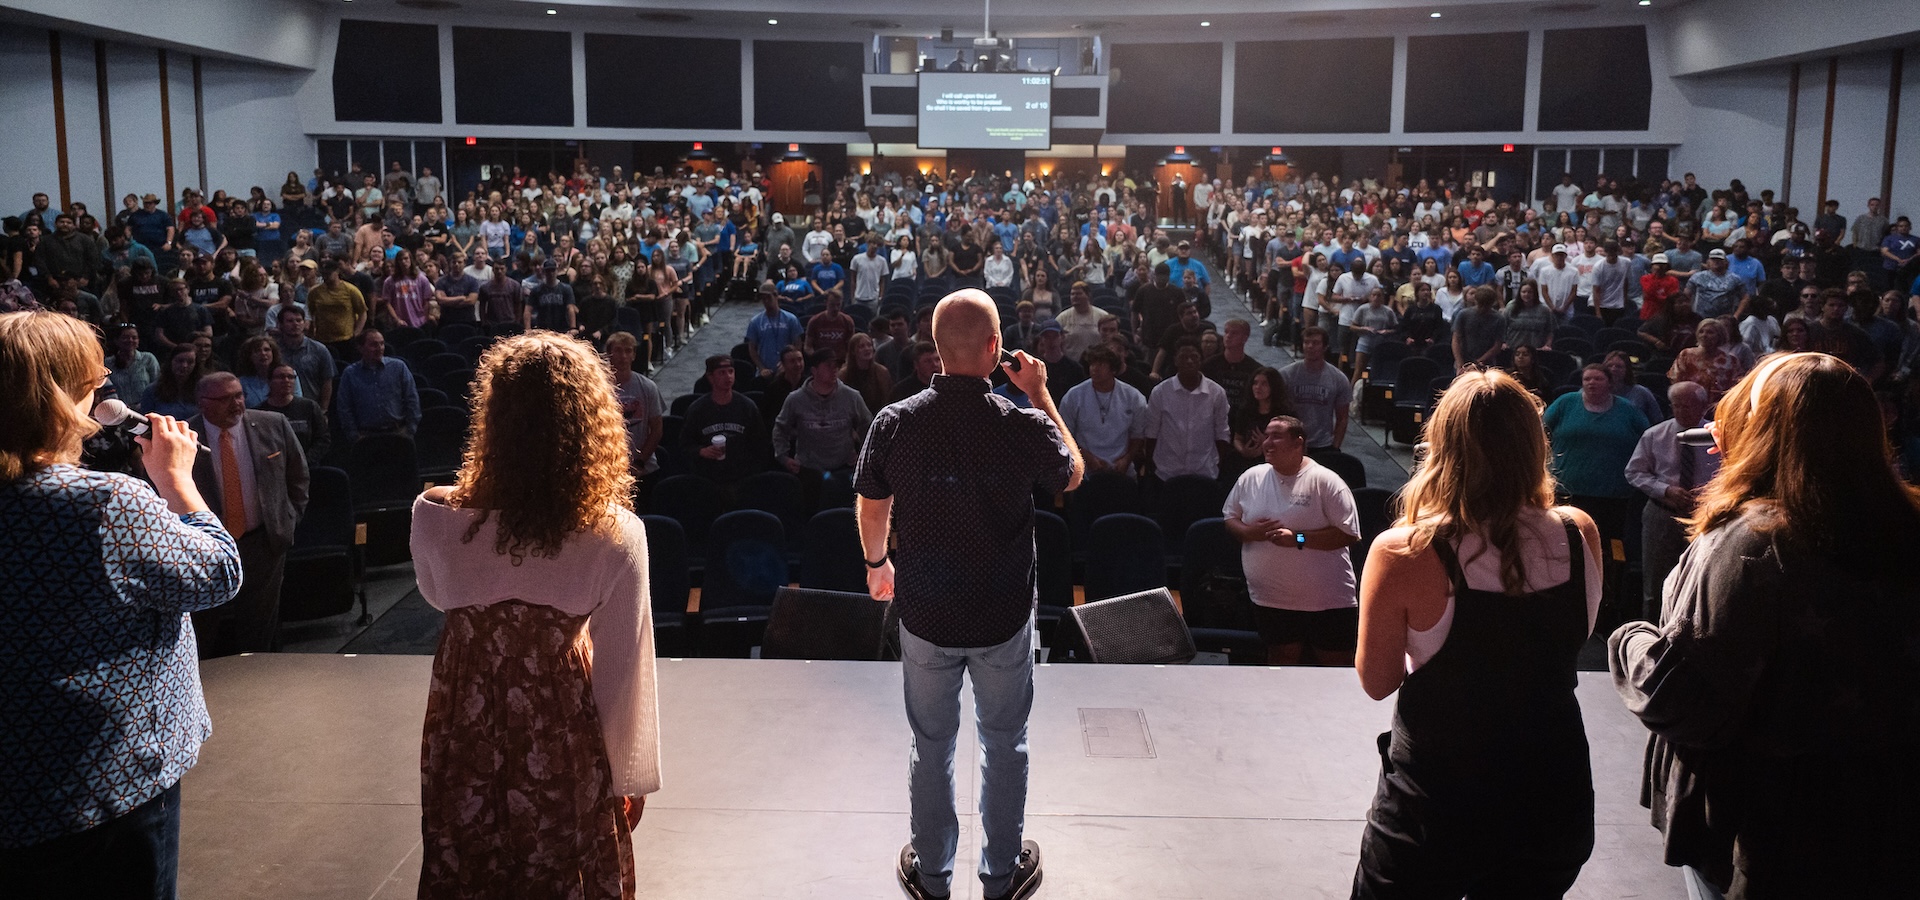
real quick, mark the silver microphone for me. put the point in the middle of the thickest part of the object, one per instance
(114, 414)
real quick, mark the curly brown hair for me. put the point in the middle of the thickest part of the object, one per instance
(549, 447)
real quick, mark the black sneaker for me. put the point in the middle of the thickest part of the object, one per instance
(909, 874)
(1026, 874)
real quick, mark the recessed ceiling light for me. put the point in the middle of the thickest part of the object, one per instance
(553, 12)
(1646, 2)
(773, 21)
(1206, 24)
(1433, 15)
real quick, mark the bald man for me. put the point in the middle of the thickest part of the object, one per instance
(254, 475)
(956, 467)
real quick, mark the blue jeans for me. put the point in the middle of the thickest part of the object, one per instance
(133, 857)
(1002, 697)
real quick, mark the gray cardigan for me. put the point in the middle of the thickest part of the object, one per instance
(1782, 688)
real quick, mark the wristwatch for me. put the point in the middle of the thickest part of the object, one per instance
(875, 565)
(1299, 540)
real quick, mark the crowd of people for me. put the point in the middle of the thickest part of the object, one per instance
(268, 324)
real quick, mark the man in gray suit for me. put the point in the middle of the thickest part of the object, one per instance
(255, 478)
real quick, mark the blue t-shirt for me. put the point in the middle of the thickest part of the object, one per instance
(1441, 256)
(1749, 270)
(1901, 245)
(795, 290)
(828, 275)
(1471, 275)
(770, 335)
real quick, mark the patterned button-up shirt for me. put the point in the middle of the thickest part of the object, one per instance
(962, 465)
(100, 704)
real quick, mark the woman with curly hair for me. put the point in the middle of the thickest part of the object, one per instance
(542, 728)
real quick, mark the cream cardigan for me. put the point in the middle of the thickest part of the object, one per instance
(601, 575)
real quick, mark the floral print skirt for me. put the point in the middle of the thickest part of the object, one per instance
(516, 794)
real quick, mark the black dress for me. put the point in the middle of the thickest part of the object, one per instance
(1486, 789)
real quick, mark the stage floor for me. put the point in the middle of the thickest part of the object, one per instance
(788, 779)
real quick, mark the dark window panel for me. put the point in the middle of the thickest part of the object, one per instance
(1158, 89)
(1597, 79)
(507, 76)
(1467, 82)
(642, 81)
(808, 86)
(895, 101)
(386, 72)
(1076, 101)
(1313, 87)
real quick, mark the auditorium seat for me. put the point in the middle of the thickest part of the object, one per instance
(386, 479)
(453, 333)
(1349, 467)
(457, 385)
(831, 554)
(1100, 494)
(323, 569)
(1053, 572)
(1184, 500)
(777, 492)
(416, 351)
(1125, 553)
(746, 564)
(668, 586)
(441, 441)
(695, 503)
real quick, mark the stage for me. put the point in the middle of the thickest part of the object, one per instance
(788, 779)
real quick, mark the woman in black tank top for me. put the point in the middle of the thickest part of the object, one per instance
(1485, 787)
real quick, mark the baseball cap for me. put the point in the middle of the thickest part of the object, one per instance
(779, 218)
(549, 264)
(1051, 325)
(1559, 248)
(1717, 254)
(718, 362)
(1660, 259)
(309, 264)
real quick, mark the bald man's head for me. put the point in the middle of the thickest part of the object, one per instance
(966, 329)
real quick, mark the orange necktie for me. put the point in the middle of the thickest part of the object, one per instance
(233, 498)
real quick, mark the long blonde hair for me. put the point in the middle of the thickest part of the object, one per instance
(49, 362)
(1486, 462)
(549, 448)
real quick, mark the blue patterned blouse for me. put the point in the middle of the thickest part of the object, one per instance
(100, 704)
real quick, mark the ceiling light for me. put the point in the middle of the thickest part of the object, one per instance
(1433, 15)
(1206, 24)
(773, 21)
(1646, 2)
(553, 12)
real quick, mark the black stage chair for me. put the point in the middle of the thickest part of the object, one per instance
(1125, 554)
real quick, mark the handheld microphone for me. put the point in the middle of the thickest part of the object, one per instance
(1692, 437)
(114, 414)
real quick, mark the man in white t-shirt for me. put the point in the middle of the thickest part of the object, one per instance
(1566, 197)
(1295, 519)
(1080, 324)
(816, 240)
(1558, 282)
(1610, 277)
